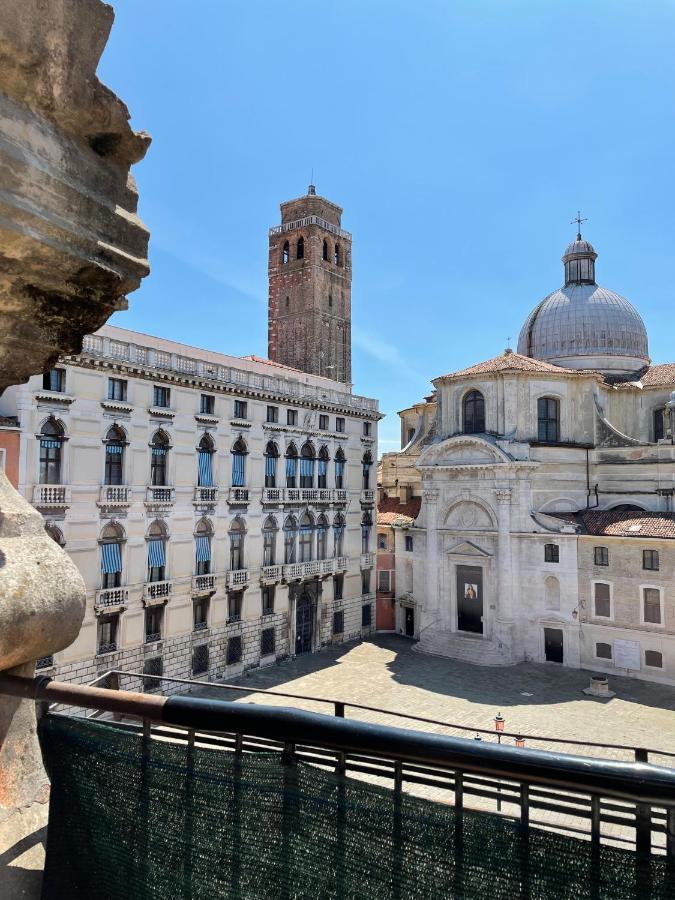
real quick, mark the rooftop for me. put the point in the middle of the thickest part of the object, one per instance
(623, 523)
(390, 511)
(509, 361)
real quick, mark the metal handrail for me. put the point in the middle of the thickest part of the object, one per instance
(638, 783)
(341, 705)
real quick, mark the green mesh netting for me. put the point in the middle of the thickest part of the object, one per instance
(199, 823)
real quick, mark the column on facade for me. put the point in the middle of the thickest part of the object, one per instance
(432, 604)
(504, 580)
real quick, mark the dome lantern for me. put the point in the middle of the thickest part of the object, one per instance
(579, 259)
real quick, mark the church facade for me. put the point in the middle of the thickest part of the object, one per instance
(545, 476)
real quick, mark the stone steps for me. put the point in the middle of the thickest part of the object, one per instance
(458, 646)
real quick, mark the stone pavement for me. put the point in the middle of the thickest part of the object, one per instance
(535, 699)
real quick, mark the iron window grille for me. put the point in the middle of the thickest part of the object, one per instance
(551, 553)
(153, 623)
(473, 408)
(338, 622)
(44, 662)
(234, 650)
(234, 602)
(152, 666)
(200, 614)
(267, 643)
(200, 659)
(267, 599)
(107, 633)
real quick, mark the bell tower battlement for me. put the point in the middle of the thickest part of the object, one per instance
(310, 289)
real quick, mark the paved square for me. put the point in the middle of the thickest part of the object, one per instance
(535, 699)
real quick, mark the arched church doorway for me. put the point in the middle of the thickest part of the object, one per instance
(303, 623)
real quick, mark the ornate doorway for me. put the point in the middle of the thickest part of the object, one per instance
(470, 599)
(303, 623)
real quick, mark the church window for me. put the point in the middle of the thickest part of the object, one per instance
(325, 250)
(300, 249)
(408, 543)
(288, 302)
(659, 423)
(602, 599)
(285, 253)
(551, 553)
(330, 299)
(548, 419)
(474, 413)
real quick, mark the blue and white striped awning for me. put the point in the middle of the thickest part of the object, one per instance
(290, 466)
(159, 451)
(306, 468)
(270, 466)
(156, 553)
(323, 466)
(111, 558)
(49, 443)
(238, 469)
(205, 472)
(113, 448)
(203, 544)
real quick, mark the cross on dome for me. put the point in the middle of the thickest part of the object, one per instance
(578, 221)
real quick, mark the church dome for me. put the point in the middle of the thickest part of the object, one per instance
(583, 325)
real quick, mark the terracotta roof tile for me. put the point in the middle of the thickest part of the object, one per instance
(391, 511)
(511, 362)
(623, 523)
(662, 375)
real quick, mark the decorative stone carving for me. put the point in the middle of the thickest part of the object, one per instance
(503, 495)
(469, 516)
(71, 244)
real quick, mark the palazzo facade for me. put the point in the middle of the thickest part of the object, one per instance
(545, 478)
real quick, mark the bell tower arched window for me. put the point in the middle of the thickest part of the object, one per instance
(325, 251)
(473, 413)
(336, 255)
(300, 249)
(114, 455)
(548, 420)
(285, 253)
(51, 446)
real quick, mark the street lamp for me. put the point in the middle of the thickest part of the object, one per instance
(519, 742)
(499, 726)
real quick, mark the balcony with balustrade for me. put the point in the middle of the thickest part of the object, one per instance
(205, 497)
(237, 578)
(203, 585)
(157, 591)
(114, 496)
(367, 497)
(111, 599)
(51, 496)
(159, 498)
(273, 496)
(367, 560)
(270, 574)
(238, 496)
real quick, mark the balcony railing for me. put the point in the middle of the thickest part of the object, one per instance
(367, 496)
(157, 590)
(586, 806)
(271, 573)
(236, 577)
(159, 496)
(342, 563)
(114, 495)
(340, 495)
(238, 496)
(273, 495)
(111, 597)
(51, 495)
(203, 584)
(367, 560)
(309, 568)
(207, 495)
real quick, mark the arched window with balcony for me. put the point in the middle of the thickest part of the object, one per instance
(300, 249)
(157, 536)
(473, 413)
(325, 251)
(285, 253)
(239, 452)
(115, 441)
(203, 538)
(338, 535)
(111, 540)
(270, 530)
(306, 536)
(324, 459)
(291, 466)
(271, 457)
(322, 537)
(366, 528)
(339, 468)
(55, 534)
(366, 463)
(205, 450)
(548, 420)
(51, 452)
(290, 539)
(307, 465)
(237, 533)
(159, 458)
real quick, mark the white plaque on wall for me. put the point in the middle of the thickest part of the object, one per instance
(627, 654)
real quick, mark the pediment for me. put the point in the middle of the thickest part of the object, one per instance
(468, 548)
(468, 516)
(463, 451)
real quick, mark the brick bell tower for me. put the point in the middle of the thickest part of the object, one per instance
(310, 278)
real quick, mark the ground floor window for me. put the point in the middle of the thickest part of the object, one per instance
(338, 622)
(654, 658)
(200, 659)
(603, 651)
(201, 613)
(234, 603)
(152, 666)
(366, 615)
(267, 642)
(234, 650)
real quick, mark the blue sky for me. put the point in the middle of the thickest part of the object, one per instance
(460, 138)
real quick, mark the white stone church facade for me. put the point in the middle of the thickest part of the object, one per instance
(546, 529)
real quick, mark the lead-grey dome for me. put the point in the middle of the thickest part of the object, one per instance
(583, 325)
